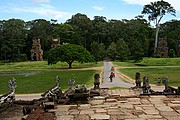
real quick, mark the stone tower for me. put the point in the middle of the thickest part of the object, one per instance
(55, 42)
(162, 48)
(178, 47)
(36, 51)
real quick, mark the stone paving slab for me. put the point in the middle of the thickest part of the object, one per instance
(122, 107)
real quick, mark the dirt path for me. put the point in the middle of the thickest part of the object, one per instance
(27, 96)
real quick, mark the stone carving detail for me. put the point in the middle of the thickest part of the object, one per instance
(96, 81)
(178, 47)
(10, 97)
(146, 87)
(137, 79)
(55, 43)
(71, 83)
(36, 51)
(55, 93)
(12, 85)
(162, 48)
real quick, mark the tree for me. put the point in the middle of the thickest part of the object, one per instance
(13, 38)
(67, 34)
(82, 25)
(122, 50)
(136, 50)
(98, 51)
(172, 53)
(156, 11)
(40, 29)
(171, 29)
(69, 53)
(99, 29)
(111, 51)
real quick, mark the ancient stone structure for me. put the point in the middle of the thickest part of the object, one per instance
(146, 87)
(158, 81)
(71, 83)
(178, 47)
(36, 51)
(55, 43)
(162, 48)
(137, 79)
(7, 100)
(96, 81)
(54, 93)
(178, 50)
(79, 93)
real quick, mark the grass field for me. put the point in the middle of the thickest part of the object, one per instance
(37, 77)
(153, 68)
(173, 73)
(36, 65)
(151, 62)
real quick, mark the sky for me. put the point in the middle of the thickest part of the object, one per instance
(62, 10)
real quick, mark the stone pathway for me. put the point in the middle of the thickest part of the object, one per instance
(117, 81)
(122, 105)
(27, 97)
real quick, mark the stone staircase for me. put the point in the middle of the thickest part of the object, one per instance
(122, 105)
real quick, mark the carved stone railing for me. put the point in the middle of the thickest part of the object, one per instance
(54, 93)
(8, 99)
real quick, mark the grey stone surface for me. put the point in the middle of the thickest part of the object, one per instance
(100, 117)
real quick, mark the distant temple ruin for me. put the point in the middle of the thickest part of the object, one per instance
(36, 51)
(178, 47)
(162, 48)
(55, 42)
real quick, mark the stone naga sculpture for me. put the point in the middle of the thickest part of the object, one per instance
(10, 97)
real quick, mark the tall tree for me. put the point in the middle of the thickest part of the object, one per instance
(82, 24)
(99, 29)
(67, 34)
(13, 38)
(136, 50)
(111, 51)
(41, 29)
(156, 10)
(98, 51)
(122, 50)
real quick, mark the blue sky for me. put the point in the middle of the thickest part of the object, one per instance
(62, 10)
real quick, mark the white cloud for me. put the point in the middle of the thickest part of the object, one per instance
(44, 10)
(174, 3)
(99, 8)
(41, 1)
(138, 2)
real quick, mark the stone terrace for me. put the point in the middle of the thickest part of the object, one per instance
(122, 105)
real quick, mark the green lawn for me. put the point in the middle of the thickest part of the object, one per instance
(151, 62)
(161, 61)
(117, 88)
(42, 80)
(173, 74)
(37, 77)
(36, 65)
(153, 68)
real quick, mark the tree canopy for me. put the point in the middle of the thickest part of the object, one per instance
(156, 10)
(69, 53)
(116, 39)
(98, 51)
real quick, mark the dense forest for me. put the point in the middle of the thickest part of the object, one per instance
(116, 39)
